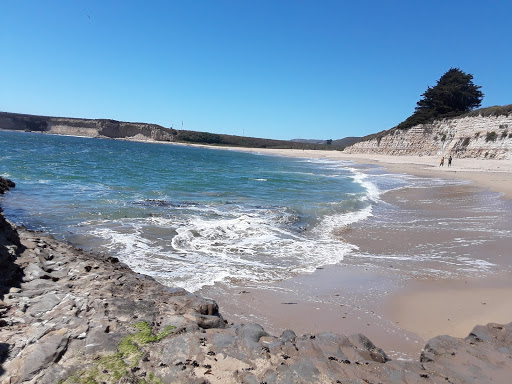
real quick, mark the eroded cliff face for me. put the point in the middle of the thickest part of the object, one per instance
(109, 128)
(86, 127)
(476, 137)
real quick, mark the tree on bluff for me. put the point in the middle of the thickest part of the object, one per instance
(454, 94)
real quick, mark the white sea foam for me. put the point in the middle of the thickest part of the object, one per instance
(204, 244)
(342, 220)
(372, 191)
(203, 249)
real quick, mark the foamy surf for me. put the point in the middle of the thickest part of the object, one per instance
(203, 248)
(192, 245)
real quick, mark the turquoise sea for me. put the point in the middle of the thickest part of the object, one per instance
(190, 216)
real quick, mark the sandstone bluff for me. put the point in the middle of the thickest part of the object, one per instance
(479, 134)
(69, 316)
(85, 127)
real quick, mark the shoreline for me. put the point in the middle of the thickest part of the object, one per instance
(482, 173)
(495, 175)
(94, 317)
(413, 309)
(74, 323)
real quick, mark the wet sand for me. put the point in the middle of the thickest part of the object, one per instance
(414, 275)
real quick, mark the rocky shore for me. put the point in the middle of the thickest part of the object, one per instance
(70, 316)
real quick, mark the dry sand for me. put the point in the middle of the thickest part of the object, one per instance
(398, 310)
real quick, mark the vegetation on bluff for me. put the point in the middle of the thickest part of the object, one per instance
(453, 95)
(496, 110)
(250, 142)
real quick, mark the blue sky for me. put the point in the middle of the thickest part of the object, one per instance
(275, 69)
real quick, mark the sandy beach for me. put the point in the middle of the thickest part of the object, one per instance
(393, 302)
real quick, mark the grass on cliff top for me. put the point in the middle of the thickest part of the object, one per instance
(112, 367)
(497, 110)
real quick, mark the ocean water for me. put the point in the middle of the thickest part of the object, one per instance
(191, 216)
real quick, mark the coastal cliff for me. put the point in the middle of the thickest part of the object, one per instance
(69, 316)
(86, 127)
(469, 136)
(113, 129)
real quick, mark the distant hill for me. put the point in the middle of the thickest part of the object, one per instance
(140, 131)
(309, 141)
(337, 143)
(346, 141)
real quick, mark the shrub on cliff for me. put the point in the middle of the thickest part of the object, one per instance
(453, 95)
(491, 136)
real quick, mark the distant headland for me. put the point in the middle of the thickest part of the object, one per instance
(113, 129)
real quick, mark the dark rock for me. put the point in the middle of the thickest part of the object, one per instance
(5, 185)
(177, 291)
(306, 371)
(176, 350)
(97, 341)
(48, 350)
(486, 333)
(10, 249)
(288, 335)
(438, 347)
(44, 304)
(208, 322)
(251, 335)
(54, 374)
(247, 378)
(223, 340)
(32, 272)
(364, 344)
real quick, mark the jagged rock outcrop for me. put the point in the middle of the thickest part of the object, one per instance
(469, 136)
(86, 127)
(78, 317)
(5, 185)
(10, 246)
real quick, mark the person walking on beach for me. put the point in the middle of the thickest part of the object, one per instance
(450, 161)
(442, 162)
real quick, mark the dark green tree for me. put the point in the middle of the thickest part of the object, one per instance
(454, 94)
